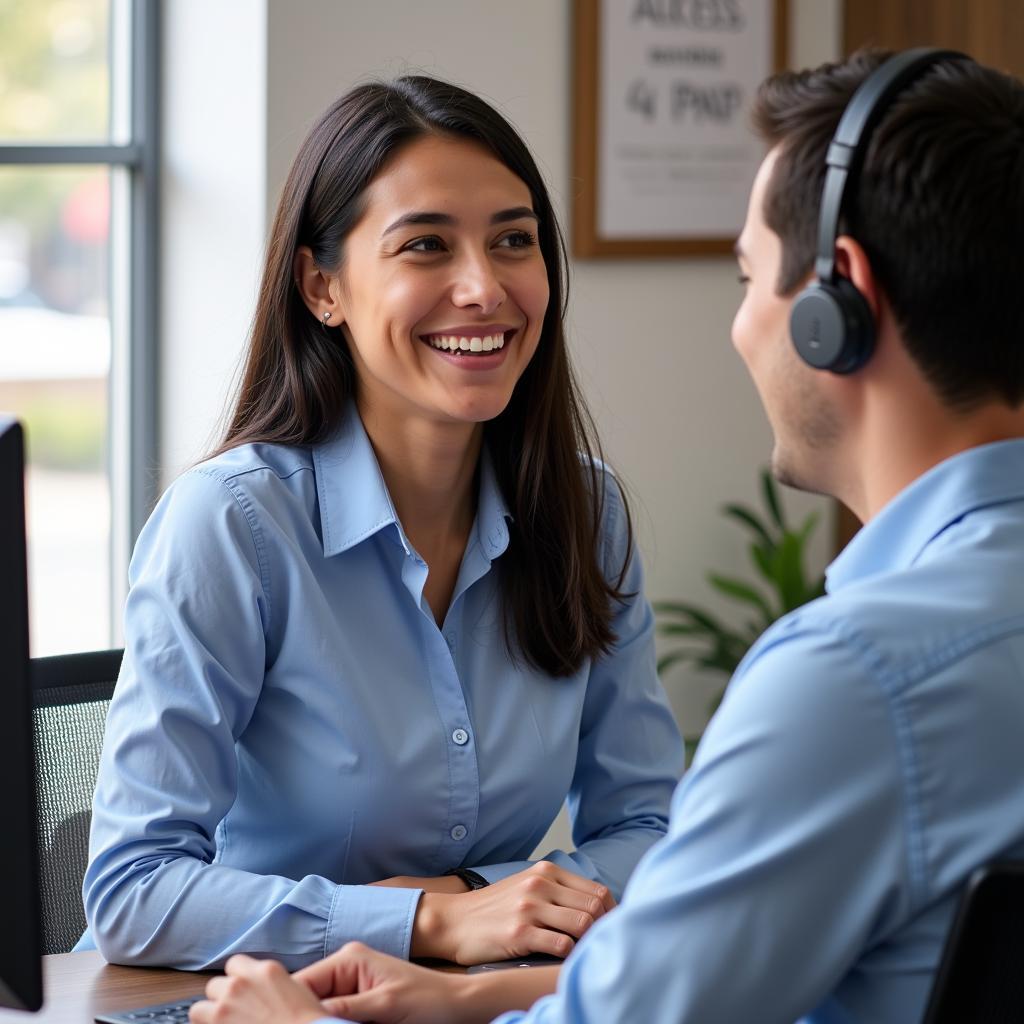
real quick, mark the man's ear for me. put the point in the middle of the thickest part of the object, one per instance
(852, 262)
(315, 288)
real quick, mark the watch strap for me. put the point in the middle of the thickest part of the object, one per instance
(473, 879)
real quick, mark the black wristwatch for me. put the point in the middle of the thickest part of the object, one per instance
(472, 878)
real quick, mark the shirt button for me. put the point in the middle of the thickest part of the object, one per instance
(450, 640)
(461, 737)
(458, 833)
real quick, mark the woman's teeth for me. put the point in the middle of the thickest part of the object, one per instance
(454, 343)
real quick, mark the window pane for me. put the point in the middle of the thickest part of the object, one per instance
(54, 371)
(54, 70)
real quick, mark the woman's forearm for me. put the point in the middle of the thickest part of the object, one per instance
(450, 884)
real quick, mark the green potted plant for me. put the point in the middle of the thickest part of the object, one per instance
(777, 552)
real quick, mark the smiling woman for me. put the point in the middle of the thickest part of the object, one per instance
(396, 620)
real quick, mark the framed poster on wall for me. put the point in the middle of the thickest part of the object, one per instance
(663, 156)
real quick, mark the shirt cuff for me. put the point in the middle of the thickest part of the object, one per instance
(378, 915)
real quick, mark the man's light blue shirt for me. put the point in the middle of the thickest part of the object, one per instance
(868, 755)
(291, 722)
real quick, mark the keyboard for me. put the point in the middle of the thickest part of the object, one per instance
(161, 1013)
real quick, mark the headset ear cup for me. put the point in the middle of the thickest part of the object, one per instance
(860, 328)
(832, 327)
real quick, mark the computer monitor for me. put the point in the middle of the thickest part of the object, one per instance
(21, 977)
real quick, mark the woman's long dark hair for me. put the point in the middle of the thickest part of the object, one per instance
(558, 602)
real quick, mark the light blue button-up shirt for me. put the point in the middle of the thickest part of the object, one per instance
(868, 755)
(291, 723)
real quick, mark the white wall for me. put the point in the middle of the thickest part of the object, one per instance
(213, 198)
(679, 418)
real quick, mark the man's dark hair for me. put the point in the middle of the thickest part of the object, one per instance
(938, 207)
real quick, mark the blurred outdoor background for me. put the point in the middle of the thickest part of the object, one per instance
(55, 308)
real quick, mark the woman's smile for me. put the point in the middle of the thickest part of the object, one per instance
(472, 348)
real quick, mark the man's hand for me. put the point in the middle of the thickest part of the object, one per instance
(541, 910)
(256, 992)
(360, 984)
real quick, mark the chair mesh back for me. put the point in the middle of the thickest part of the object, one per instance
(68, 723)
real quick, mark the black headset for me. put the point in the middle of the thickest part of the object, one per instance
(831, 323)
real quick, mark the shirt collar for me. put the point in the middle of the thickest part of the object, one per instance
(897, 536)
(354, 499)
(492, 512)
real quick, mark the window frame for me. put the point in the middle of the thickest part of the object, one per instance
(133, 386)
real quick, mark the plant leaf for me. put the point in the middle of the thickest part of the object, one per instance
(754, 630)
(789, 572)
(682, 629)
(721, 661)
(808, 527)
(750, 520)
(762, 557)
(771, 499)
(814, 589)
(666, 661)
(726, 654)
(742, 592)
(689, 611)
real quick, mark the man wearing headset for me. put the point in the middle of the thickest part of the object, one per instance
(869, 753)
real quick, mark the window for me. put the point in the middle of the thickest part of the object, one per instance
(78, 205)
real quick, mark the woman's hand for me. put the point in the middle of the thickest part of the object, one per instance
(256, 992)
(541, 910)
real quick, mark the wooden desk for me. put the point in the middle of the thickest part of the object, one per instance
(77, 986)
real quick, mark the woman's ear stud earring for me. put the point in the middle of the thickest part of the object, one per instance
(325, 318)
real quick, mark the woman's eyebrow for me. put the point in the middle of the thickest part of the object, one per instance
(419, 217)
(515, 213)
(431, 217)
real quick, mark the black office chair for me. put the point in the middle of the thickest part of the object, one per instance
(980, 976)
(71, 694)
